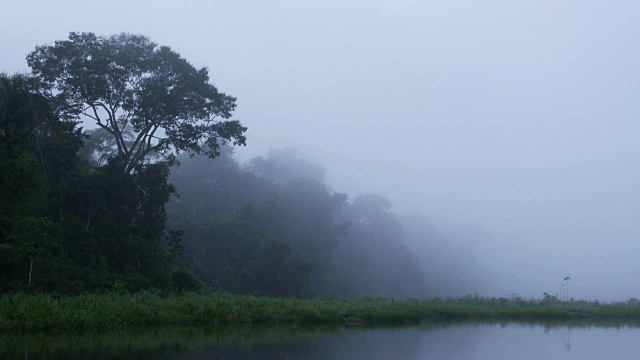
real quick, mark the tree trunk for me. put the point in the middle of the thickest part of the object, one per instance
(30, 270)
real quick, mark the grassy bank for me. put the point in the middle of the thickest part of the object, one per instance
(19, 312)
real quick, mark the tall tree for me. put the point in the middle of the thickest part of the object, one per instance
(21, 110)
(209, 188)
(151, 100)
(21, 107)
(372, 259)
(281, 166)
(26, 236)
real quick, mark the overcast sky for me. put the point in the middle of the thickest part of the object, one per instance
(515, 119)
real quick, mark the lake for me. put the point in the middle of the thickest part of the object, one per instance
(443, 340)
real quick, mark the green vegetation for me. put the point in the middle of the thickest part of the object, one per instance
(152, 197)
(85, 210)
(273, 227)
(98, 211)
(21, 312)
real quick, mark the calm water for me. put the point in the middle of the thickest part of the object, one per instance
(428, 341)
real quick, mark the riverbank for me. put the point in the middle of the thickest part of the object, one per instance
(21, 312)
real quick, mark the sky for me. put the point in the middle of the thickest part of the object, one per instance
(516, 121)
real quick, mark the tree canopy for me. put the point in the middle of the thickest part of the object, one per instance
(151, 100)
(82, 211)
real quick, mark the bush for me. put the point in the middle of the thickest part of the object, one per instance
(185, 280)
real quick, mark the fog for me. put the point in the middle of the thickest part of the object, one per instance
(510, 128)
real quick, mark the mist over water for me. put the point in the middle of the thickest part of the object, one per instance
(504, 134)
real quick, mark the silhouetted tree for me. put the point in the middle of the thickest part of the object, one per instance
(151, 100)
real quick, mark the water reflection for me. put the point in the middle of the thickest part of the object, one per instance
(566, 339)
(442, 340)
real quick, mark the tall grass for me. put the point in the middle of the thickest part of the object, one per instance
(21, 312)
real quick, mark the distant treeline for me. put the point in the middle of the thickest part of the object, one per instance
(273, 227)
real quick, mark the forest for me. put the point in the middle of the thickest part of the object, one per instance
(118, 173)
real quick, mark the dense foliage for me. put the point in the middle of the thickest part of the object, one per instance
(85, 210)
(67, 226)
(273, 221)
